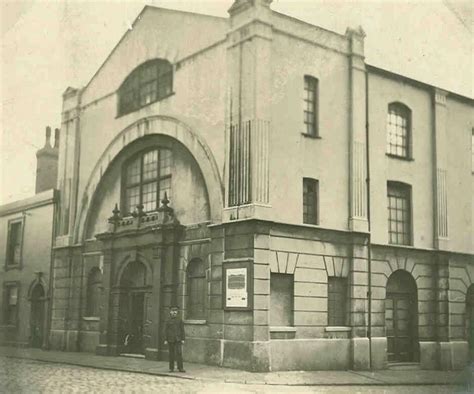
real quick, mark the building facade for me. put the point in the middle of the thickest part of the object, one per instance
(304, 209)
(26, 241)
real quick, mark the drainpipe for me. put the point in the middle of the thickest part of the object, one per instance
(369, 240)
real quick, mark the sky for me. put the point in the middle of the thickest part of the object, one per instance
(47, 46)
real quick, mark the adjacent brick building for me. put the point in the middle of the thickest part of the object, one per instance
(304, 209)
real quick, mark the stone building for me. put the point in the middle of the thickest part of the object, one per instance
(304, 209)
(26, 239)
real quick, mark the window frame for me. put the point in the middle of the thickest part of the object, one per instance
(404, 191)
(315, 184)
(136, 86)
(7, 286)
(8, 265)
(190, 280)
(158, 179)
(403, 111)
(90, 312)
(314, 132)
(337, 318)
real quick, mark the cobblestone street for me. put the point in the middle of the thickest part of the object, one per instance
(27, 376)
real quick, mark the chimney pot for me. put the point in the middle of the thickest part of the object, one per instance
(48, 136)
(56, 138)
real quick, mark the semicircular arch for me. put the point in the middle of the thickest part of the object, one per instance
(126, 264)
(155, 125)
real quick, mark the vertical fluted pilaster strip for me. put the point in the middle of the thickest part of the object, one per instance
(442, 204)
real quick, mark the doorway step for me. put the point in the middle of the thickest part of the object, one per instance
(132, 355)
(404, 366)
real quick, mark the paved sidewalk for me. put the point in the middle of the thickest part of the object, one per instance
(212, 373)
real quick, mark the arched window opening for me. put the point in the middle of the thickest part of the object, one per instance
(94, 291)
(398, 130)
(148, 83)
(146, 179)
(196, 289)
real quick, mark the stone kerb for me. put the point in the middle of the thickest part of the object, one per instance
(156, 125)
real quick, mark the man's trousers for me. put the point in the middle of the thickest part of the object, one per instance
(175, 353)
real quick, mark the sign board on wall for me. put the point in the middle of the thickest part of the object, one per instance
(237, 285)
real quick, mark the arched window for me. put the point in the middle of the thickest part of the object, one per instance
(94, 291)
(146, 178)
(197, 291)
(398, 130)
(149, 82)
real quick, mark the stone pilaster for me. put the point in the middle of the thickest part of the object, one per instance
(358, 304)
(249, 44)
(68, 169)
(357, 133)
(442, 299)
(153, 301)
(440, 173)
(105, 304)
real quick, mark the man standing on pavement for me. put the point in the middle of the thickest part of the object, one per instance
(174, 337)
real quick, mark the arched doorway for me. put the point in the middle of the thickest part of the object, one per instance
(470, 319)
(37, 315)
(133, 289)
(401, 323)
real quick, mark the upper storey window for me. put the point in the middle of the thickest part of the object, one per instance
(398, 130)
(310, 201)
(146, 178)
(399, 213)
(310, 106)
(148, 83)
(14, 243)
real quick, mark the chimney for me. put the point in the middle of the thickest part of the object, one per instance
(47, 163)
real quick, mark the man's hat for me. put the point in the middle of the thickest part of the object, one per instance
(174, 307)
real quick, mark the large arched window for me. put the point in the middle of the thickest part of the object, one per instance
(149, 82)
(398, 130)
(196, 289)
(94, 291)
(146, 178)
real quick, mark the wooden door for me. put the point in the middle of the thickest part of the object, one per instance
(37, 316)
(136, 314)
(401, 318)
